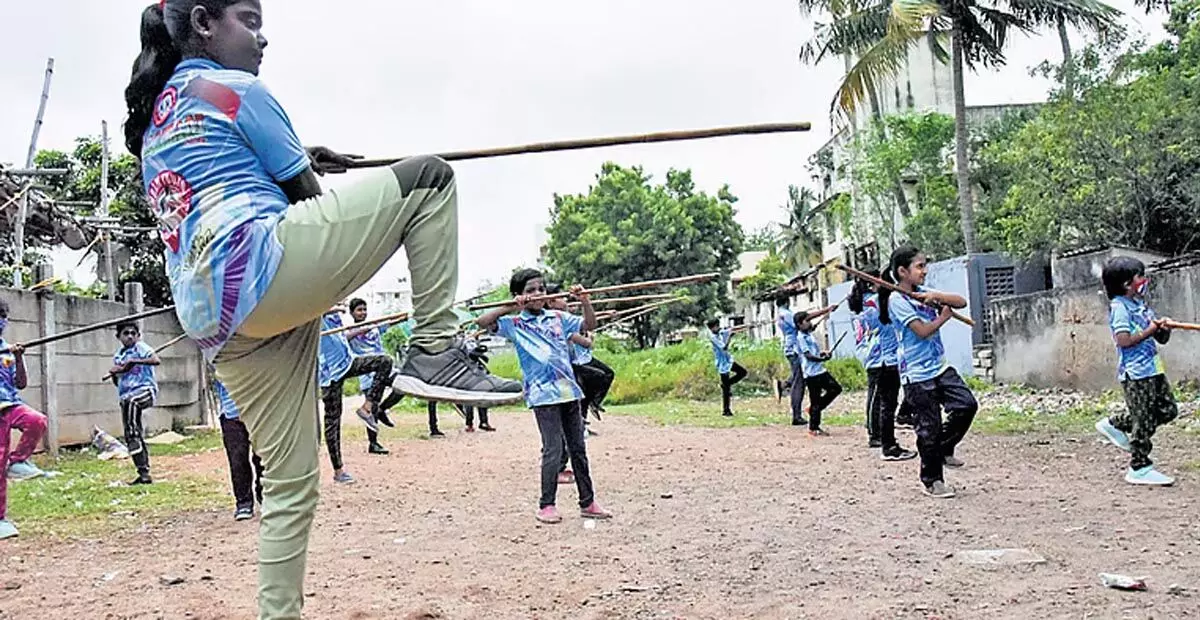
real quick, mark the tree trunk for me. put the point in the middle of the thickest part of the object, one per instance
(897, 185)
(1068, 70)
(961, 160)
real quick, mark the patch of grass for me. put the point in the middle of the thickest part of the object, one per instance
(978, 385)
(89, 496)
(707, 414)
(1010, 420)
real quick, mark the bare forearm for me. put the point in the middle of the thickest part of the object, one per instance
(488, 320)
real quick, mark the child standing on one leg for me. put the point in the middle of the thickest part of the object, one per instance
(876, 348)
(137, 389)
(369, 341)
(245, 468)
(822, 387)
(1148, 396)
(930, 384)
(337, 363)
(786, 323)
(730, 371)
(540, 338)
(15, 414)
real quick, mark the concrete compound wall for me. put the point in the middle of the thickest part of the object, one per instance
(1060, 338)
(74, 397)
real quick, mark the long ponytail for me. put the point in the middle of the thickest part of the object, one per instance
(151, 70)
(902, 257)
(858, 294)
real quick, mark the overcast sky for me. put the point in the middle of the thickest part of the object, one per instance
(385, 78)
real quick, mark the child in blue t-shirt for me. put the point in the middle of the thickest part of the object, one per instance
(822, 387)
(730, 371)
(930, 384)
(1137, 332)
(245, 468)
(875, 346)
(540, 337)
(15, 415)
(137, 389)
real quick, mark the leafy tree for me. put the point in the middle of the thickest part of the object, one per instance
(626, 229)
(763, 239)
(128, 203)
(877, 34)
(770, 274)
(800, 237)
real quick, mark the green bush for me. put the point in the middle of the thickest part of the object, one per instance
(687, 371)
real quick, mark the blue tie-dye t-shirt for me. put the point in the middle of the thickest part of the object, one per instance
(809, 346)
(229, 410)
(544, 355)
(140, 379)
(217, 146)
(786, 322)
(334, 356)
(875, 345)
(1142, 360)
(720, 346)
(580, 354)
(9, 394)
(921, 359)
(369, 342)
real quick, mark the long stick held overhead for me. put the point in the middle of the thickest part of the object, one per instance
(37, 342)
(895, 289)
(621, 300)
(159, 349)
(397, 317)
(608, 289)
(592, 143)
(637, 313)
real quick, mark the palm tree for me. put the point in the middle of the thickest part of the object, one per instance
(800, 238)
(877, 34)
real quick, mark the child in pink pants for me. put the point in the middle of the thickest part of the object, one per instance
(15, 414)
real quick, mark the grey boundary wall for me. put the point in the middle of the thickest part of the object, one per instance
(64, 377)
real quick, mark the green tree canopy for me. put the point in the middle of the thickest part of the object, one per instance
(626, 229)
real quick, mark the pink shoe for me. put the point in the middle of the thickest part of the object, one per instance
(470, 429)
(595, 512)
(549, 514)
(566, 477)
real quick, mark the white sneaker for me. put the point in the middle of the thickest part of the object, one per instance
(1112, 434)
(1148, 476)
(7, 529)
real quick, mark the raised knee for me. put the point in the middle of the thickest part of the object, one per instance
(38, 422)
(423, 172)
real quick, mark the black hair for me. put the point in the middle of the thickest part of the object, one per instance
(356, 302)
(122, 326)
(516, 285)
(3, 309)
(859, 292)
(903, 256)
(781, 301)
(799, 318)
(1118, 272)
(166, 30)
(713, 323)
(553, 288)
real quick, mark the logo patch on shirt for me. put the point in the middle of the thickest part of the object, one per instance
(165, 105)
(171, 199)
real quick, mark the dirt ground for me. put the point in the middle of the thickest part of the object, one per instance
(732, 523)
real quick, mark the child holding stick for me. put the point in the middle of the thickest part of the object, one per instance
(1137, 332)
(540, 337)
(369, 341)
(137, 389)
(930, 384)
(823, 389)
(15, 414)
(876, 347)
(730, 371)
(786, 324)
(338, 363)
(245, 468)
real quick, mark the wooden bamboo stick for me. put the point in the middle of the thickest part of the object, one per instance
(591, 143)
(397, 317)
(619, 300)
(639, 312)
(607, 289)
(162, 347)
(895, 289)
(1191, 327)
(37, 342)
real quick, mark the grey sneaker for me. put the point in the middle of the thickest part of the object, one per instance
(939, 490)
(953, 461)
(451, 376)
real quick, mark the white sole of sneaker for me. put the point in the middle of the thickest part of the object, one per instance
(412, 386)
(1104, 432)
(1144, 483)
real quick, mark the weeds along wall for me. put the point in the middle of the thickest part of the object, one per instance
(64, 377)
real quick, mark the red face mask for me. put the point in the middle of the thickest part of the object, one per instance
(1141, 285)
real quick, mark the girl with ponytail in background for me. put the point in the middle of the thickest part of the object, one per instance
(256, 252)
(876, 346)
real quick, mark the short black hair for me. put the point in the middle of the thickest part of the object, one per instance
(781, 301)
(553, 288)
(3, 309)
(356, 302)
(1118, 272)
(516, 285)
(713, 323)
(122, 326)
(800, 317)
